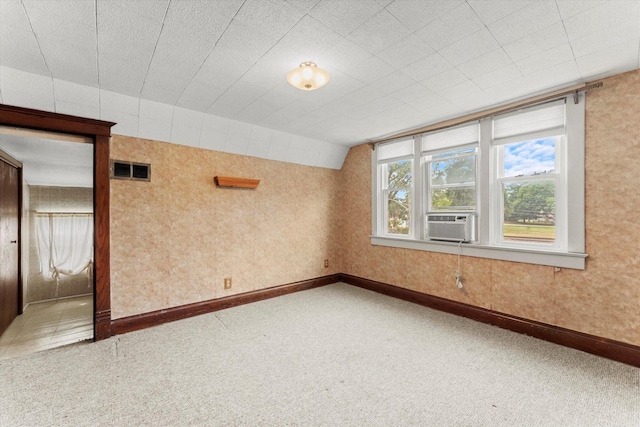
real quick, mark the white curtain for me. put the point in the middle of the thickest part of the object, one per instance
(65, 245)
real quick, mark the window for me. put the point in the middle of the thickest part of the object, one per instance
(396, 187)
(529, 177)
(528, 182)
(450, 169)
(452, 180)
(510, 170)
(397, 196)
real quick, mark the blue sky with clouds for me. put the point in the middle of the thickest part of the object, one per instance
(529, 157)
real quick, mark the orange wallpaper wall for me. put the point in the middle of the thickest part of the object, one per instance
(175, 239)
(603, 300)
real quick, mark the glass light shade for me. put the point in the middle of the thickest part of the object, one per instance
(308, 77)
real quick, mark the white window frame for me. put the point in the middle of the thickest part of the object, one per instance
(559, 178)
(569, 252)
(427, 159)
(380, 190)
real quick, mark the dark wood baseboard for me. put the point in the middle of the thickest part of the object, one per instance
(154, 318)
(610, 349)
(614, 350)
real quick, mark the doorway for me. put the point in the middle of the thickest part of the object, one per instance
(56, 241)
(99, 132)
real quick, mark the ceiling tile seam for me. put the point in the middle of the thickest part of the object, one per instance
(36, 39)
(494, 38)
(328, 29)
(394, 17)
(343, 37)
(95, 4)
(411, 33)
(356, 28)
(530, 34)
(501, 19)
(258, 60)
(269, 50)
(170, 120)
(209, 54)
(520, 69)
(456, 67)
(460, 39)
(564, 27)
(399, 20)
(199, 127)
(513, 12)
(155, 47)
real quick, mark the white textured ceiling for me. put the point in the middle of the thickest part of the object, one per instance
(50, 162)
(394, 65)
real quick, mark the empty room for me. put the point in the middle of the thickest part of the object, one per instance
(319, 212)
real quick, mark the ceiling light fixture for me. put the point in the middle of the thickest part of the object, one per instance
(308, 76)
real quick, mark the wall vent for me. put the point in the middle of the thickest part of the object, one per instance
(130, 170)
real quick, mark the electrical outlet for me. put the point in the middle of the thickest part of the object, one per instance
(227, 282)
(326, 263)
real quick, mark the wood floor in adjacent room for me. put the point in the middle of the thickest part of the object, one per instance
(48, 325)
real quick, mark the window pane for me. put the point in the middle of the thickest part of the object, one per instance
(399, 174)
(453, 171)
(529, 211)
(453, 199)
(528, 158)
(398, 212)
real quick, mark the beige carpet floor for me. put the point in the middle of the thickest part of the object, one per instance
(331, 356)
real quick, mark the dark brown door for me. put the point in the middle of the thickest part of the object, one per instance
(9, 229)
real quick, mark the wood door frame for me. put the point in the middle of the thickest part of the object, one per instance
(100, 132)
(5, 157)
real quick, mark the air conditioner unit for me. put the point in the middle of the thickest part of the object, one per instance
(455, 227)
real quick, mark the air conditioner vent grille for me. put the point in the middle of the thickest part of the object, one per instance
(453, 227)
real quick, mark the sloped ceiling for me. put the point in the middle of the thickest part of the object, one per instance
(394, 65)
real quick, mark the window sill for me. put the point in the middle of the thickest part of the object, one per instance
(555, 259)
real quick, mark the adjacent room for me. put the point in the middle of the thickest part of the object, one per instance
(319, 212)
(57, 234)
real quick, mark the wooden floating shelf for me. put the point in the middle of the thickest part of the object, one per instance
(228, 181)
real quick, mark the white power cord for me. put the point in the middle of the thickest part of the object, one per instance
(459, 270)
